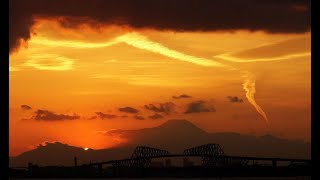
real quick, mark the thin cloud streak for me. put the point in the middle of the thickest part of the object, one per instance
(136, 40)
(13, 69)
(50, 62)
(70, 44)
(227, 57)
(133, 39)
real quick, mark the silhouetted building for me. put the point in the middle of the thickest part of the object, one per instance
(75, 161)
(168, 163)
(187, 163)
(156, 164)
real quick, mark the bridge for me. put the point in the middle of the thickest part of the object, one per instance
(212, 156)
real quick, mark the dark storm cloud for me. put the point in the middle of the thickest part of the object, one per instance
(45, 115)
(138, 117)
(156, 116)
(198, 107)
(285, 16)
(235, 99)
(128, 110)
(162, 108)
(102, 115)
(182, 96)
(25, 107)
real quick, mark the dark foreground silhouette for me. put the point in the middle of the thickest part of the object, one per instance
(174, 136)
(214, 163)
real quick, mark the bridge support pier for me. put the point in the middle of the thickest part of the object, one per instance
(274, 163)
(100, 169)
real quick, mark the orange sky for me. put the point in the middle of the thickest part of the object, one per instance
(83, 71)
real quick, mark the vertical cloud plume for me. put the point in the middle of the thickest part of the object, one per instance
(249, 87)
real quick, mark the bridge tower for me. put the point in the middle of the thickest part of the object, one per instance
(141, 157)
(212, 154)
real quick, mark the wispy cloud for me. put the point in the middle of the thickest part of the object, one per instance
(102, 115)
(274, 51)
(198, 107)
(162, 108)
(110, 61)
(13, 69)
(137, 40)
(235, 99)
(182, 96)
(156, 116)
(138, 117)
(70, 44)
(128, 109)
(133, 39)
(52, 62)
(231, 58)
(25, 107)
(45, 115)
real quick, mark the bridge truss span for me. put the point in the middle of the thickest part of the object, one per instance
(212, 155)
(141, 157)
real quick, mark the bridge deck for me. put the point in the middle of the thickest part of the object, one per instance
(230, 157)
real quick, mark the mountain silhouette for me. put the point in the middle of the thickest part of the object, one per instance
(174, 136)
(177, 135)
(58, 154)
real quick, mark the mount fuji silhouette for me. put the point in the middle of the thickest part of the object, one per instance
(174, 136)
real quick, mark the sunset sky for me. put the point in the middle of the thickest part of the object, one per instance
(72, 79)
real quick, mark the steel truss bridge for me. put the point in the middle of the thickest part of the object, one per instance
(212, 156)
